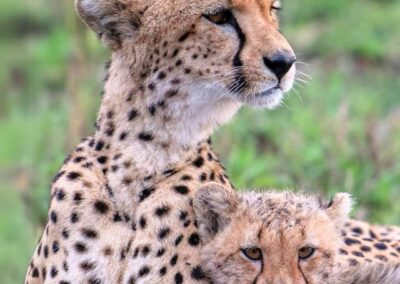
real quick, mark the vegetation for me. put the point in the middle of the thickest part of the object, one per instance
(340, 131)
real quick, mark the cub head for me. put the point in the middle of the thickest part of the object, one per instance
(268, 237)
(228, 50)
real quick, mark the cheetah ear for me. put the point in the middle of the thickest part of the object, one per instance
(112, 20)
(339, 208)
(214, 206)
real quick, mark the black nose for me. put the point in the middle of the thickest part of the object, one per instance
(279, 64)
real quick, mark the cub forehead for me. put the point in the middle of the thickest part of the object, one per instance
(281, 203)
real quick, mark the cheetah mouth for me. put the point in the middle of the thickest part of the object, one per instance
(269, 98)
(268, 92)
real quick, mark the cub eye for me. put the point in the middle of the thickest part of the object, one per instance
(306, 252)
(253, 253)
(220, 18)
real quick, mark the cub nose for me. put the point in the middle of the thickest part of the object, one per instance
(279, 64)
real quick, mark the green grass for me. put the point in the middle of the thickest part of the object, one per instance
(341, 132)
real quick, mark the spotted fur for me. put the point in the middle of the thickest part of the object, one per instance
(121, 207)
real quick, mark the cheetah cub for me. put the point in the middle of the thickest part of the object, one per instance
(276, 237)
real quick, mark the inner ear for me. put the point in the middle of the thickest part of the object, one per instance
(112, 20)
(339, 208)
(214, 206)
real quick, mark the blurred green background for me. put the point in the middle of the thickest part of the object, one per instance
(340, 131)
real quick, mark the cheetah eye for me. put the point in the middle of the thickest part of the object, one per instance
(220, 18)
(252, 253)
(306, 252)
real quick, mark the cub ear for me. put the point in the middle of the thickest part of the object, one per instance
(214, 206)
(112, 20)
(339, 208)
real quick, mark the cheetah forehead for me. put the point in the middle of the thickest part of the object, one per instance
(160, 15)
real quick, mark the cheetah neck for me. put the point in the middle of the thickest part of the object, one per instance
(155, 126)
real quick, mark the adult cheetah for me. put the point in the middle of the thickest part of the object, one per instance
(291, 238)
(179, 69)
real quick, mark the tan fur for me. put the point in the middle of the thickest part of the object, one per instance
(280, 224)
(125, 193)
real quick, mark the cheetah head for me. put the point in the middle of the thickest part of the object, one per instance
(268, 237)
(213, 50)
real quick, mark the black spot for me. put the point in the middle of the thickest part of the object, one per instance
(174, 260)
(95, 281)
(145, 136)
(197, 273)
(161, 75)
(178, 240)
(144, 271)
(186, 178)
(169, 172)
(101, 207)
(145, 251)
(131, 280)
(184, 37)
(74, 218)
(46, 251)
(199, 162)
(117, 217)
(73, 175)
(78, 198)
(350, 242)
(87, 265)
(203, 177)
(80, 247)
(183, 215)
(365, 248)
(175, 52)
(123, 136)
(65, 234)
(142, 222)
(60, 194)
(357, 253)
(88, 165)
(162, 211)
(145, 193)
(110, 114)
(53, 217)
(132, 114)
(163, 271)
(77, 160)
(135, 253)
(53, 272)
(171, 93)
(99, 145)
(102, 159)
(56, 247)
(372, 234)
(65, 266)
(35, 273)
(89, 233)
(357, 230)
(194, 239)
(178, 278)
(182, 189)
(380, 246)
(163, 233)
(152, 110)
(58, 176)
